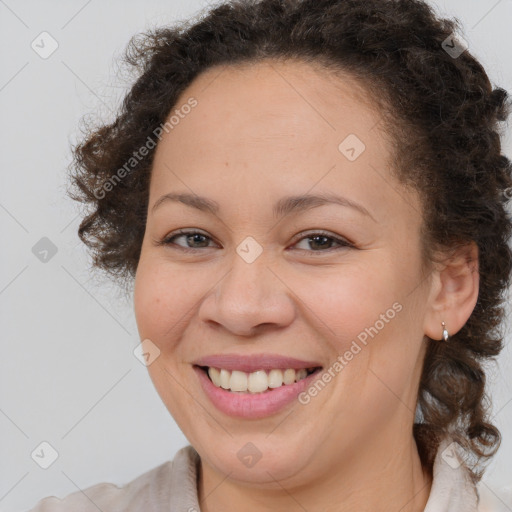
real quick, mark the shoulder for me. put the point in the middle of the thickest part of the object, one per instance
(148, 492)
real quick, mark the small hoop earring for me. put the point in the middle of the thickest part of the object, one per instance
(445, 332)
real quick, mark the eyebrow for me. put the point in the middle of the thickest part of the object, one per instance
(285, 206)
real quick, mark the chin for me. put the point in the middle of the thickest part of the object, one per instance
(260, 461)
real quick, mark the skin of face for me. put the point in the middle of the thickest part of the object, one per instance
(259, 133)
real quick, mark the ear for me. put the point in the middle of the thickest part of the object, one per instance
(454, 292)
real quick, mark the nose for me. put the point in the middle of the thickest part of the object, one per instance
(249, 299)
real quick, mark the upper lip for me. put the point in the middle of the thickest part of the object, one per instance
(252, 363)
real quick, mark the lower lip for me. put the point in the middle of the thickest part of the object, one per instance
(252, 405)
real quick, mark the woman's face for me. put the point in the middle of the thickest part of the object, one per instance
(331, 284)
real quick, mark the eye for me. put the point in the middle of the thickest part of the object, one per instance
(323, 241)
(318, 241)
(190, 237)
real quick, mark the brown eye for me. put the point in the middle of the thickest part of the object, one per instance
(192, 240)
(323, 242)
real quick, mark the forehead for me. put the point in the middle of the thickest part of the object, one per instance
(273, 126)
(291, 89)
(271, 104)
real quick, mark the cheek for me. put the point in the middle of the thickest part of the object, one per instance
(349, 301)
(163, 295)
(363, 314)
(163, 298)
(372, 339)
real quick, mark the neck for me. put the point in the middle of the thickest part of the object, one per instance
(381, 477)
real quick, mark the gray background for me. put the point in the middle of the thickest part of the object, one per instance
(68, 375)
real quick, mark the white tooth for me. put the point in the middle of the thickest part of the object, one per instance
(275, 379)
(255, 382)
(224, 378)
(214, 375)
(289, 376)
(258, 381)
(238, 381)
(301, 374)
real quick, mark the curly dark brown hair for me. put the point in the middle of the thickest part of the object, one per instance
(441, 112)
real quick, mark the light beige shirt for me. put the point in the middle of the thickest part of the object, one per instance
(172, 487)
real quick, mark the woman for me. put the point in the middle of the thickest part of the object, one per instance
(309, 198)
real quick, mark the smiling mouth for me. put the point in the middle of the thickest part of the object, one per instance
(260, 381)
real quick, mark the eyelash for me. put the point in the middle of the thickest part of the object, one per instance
(343, 244)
